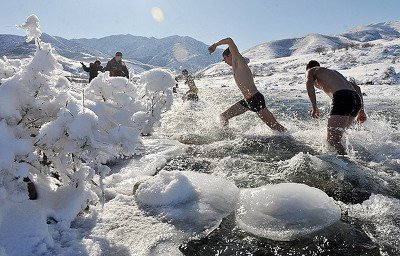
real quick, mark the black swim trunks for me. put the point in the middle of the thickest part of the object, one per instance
(346, 103)
(255, 103)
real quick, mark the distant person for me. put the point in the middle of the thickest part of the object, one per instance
(117, 67)
(347, 101)
(176, 86)
(93, 69)
(189, 81)
(253, 99)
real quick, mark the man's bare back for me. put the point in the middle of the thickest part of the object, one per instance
(347, 102)
(328, 80)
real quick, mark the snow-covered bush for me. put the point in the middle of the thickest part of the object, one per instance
(158, 94)
(390, 76)
(8, 68)
(53, 131)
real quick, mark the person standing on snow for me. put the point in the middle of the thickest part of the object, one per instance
(117, 67)
(253, 99)
(93, 69)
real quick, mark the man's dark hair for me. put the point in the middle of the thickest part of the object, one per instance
(118, 54)
(226, 52)
(311, 64)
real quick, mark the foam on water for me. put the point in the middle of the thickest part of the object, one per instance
(285, 211)
(382, 216)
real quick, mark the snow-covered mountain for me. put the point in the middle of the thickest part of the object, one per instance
(385, 30)
(174, 52)
(369, 44)
(316, 42)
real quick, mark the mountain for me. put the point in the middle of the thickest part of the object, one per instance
(295, 46)
(363, 36)
(174, 52)
(386, 30)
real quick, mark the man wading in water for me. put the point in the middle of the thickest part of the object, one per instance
(347, 102)
(253, 99)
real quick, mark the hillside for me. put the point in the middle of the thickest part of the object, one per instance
(141, 53)
(380, 43)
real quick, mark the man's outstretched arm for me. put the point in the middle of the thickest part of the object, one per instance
(232, 46)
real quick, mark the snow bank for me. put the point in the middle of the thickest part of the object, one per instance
(285, 211)
(60, 136)
(192, 201)
(8, 68)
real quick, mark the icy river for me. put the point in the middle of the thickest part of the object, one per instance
(244, 190)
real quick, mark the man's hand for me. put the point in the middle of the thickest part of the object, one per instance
(361, 117)
(315, 113)
(212, 48)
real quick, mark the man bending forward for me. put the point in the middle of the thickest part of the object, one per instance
(347, 102)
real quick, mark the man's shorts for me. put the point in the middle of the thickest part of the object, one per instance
(346, 103)
(255, 103)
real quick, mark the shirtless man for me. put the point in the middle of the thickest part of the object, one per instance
(253, 99)
(347, 101)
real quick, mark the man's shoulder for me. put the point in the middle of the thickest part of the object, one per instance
(316, 70)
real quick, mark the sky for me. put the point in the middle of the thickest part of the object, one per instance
(248, 22)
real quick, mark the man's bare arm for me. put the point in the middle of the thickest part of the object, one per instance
(310, 80)
(232, 46)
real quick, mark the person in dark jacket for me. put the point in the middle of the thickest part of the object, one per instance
(117, 67)
(93, 69)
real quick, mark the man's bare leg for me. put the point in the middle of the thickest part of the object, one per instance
(336, 126)
(350, 121)
(270, 120)
(235, 110)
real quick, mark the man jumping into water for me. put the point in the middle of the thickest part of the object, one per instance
(253, 99)
(347, 101)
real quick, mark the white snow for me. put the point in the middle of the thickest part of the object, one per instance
(32, 28)
(157, 80)
(80, 128)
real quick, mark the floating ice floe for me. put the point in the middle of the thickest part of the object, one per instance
(194, 202)
(285, 211)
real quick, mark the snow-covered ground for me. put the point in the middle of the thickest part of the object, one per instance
(193, 187)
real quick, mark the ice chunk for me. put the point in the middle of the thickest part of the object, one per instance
(285, 211)
(194, 202)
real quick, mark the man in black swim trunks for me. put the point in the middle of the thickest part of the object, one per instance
(253, 99)
(347, 101)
